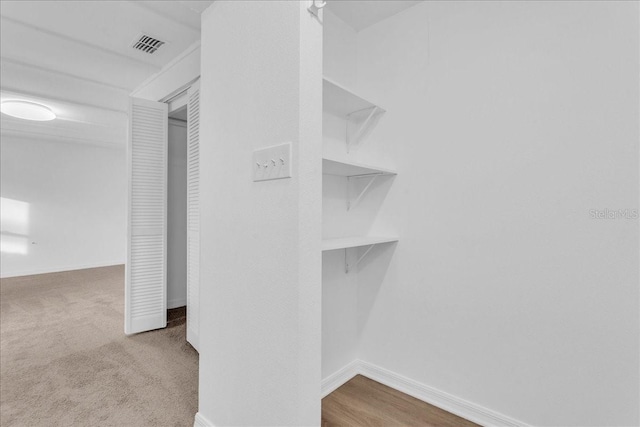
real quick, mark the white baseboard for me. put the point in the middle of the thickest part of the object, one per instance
(201, 421)
(175, 303)
(340, 377)
(456, 405)
(6, 275)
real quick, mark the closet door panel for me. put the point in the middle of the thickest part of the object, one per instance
(145, 277)
(193, 214)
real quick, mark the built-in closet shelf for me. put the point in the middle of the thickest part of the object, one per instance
(351, 169)
(341, 101)
(354, 242)
(345, 243)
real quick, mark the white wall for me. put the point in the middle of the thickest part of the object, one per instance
(509, 121)
(261, 85)
(340, 59)
(177, 215)
(339, 291)
(63, 205)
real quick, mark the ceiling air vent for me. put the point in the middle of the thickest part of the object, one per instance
(147, 43)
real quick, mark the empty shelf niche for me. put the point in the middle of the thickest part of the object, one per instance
(354, 242)
(350, 169)
(341, 101)
(360, 114)
(346, 243)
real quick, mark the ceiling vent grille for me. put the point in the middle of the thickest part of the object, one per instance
(147, 43)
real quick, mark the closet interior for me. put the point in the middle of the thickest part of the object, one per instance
(177, 209)
(356, 178)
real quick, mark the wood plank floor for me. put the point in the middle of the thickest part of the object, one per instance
(364, 402)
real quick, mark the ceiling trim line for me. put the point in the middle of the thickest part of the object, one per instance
(62, 73)
(78, 41)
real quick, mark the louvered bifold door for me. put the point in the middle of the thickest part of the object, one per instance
(145, 278)
(193, 214)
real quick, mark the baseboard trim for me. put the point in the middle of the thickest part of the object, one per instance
(340, 377)
(201, 421)
(450, 403)
(4, 275)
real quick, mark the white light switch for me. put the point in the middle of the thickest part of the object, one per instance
(272, 162)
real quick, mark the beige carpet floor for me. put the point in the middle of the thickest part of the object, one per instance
(65, 361)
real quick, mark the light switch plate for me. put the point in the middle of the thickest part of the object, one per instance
(272, 162)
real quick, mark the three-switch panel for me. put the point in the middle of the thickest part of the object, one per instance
(272, 162)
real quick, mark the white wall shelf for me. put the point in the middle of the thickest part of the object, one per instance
(355, 242)
(352, 169)
(359, 113)
(341, 101)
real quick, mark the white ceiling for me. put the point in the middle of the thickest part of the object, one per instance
(76, 57)
(360, 14)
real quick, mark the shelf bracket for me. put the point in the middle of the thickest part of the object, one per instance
(351, 204)
(347, 267)
(363, 127)
(314, 9)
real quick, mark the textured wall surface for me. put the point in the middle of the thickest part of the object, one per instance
(260, 242)
(339, 290)
(509, 122)
(63, 205)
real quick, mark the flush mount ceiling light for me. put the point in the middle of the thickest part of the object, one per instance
(27, 110)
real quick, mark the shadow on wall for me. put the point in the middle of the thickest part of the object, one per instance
(360, 125)
(365, 200)
(372, 272)
(372, 197)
